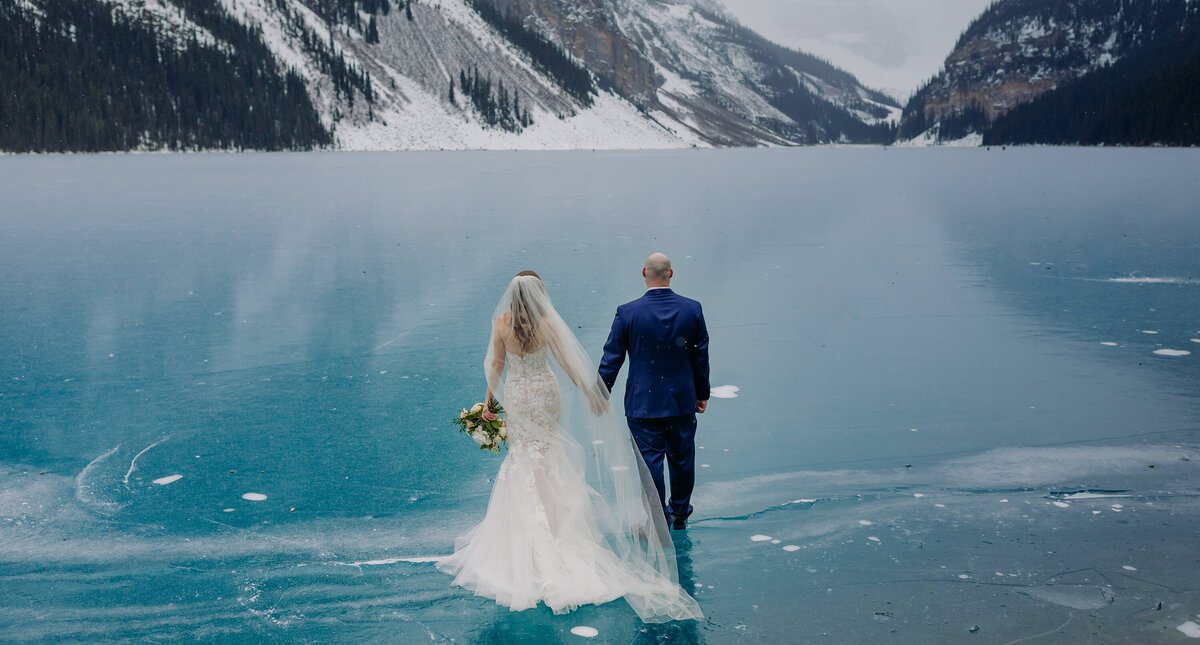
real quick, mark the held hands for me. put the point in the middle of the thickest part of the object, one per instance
(701, 406)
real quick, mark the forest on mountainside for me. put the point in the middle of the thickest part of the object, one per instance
(83, 76)
(1148, 96)
(1151, 97)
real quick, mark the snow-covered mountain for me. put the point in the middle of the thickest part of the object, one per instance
(513, 74)
(670, 73)
(1020, 50)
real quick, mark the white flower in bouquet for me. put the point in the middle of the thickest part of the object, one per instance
(489, 435)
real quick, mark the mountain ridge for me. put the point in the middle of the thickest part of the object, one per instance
(389, 75)
(1018, 51)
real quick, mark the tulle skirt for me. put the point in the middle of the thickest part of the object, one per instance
(538, 541)
(541, 539)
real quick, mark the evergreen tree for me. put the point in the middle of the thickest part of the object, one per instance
(504, 116)
(491, 102)
(372, 32)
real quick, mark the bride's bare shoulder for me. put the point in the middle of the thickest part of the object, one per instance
(503, 327)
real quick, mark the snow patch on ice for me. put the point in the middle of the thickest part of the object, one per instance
(163, 481)
(1133, 279)
(724, 392)
(1172, 352)
(1190, 629)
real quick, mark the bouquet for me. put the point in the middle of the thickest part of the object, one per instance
(488, 434)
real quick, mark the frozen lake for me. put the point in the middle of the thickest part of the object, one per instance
(967, 388)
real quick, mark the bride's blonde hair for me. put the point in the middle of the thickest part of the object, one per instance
(526, 314)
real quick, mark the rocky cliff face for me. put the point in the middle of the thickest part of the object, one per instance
(1018, 50)
(587, 30)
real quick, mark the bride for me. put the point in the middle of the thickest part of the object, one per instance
(564, 526)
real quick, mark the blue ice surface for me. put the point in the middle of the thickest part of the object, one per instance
(930, 440)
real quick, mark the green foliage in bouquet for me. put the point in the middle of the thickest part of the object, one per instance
(488, 434)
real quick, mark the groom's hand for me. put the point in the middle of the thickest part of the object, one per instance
(701, 406)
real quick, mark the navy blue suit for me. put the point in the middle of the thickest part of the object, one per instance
(667, 342)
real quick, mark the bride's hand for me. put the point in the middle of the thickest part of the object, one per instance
(486, 414)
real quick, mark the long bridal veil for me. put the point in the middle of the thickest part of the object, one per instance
(628, 519)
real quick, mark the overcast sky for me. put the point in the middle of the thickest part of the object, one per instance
(891, 45)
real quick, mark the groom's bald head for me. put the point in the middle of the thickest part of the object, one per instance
(657, 271)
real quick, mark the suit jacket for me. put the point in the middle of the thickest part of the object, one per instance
(667, 342)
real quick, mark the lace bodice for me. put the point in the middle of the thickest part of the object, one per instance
(531, 399)
(529, 365)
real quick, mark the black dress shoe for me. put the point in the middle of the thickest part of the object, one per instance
(678, 522)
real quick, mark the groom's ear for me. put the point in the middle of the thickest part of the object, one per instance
(643, 272)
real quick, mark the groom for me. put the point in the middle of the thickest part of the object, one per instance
(667, 342)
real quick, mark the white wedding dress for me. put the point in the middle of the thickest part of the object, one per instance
(540, 541)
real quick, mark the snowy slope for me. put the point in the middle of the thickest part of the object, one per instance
(709, 75)
(392, 74)
(411, 68)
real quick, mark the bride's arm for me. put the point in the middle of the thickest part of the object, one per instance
(496, 367)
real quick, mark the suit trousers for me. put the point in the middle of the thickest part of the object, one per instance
(675, 439)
